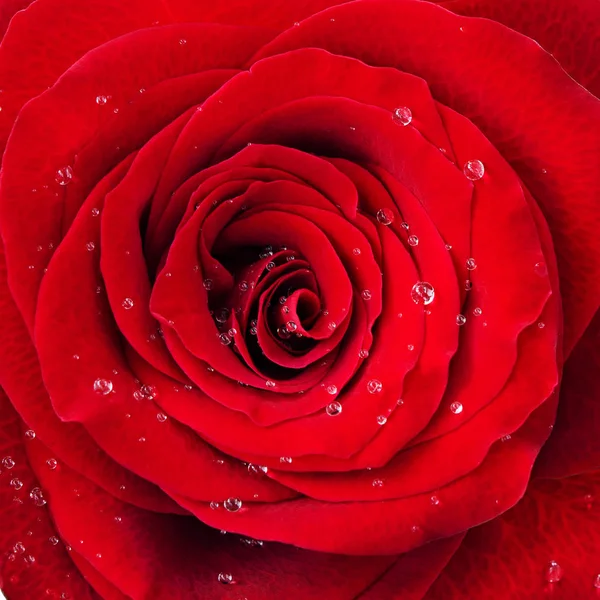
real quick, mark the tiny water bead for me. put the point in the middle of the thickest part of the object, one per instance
(286, 460)
(356, 251)
(474, 170)
(37, 496)
(243, 285)
(207, 283)
(422, 293)
(333, 409)
(366, 294)
(52, 463)
(64, 176)
(257, 469)
(554, 572)
(30, 434)
(363, 353)
(377, 483)
(332, 389)
(161, 417)
(456, 408)
(103, 387)
(53, 540)
(182, 42)
(385, 216)
(468, 285)
(224, 339)
(381, 420)
(596, 582)
(402, 116)
(90, 246)
(461, 320)
(270, 384)
(127, 304)
(471, 264)
(477, 312)
(214, 505)
(19, 548)
(225, 578)
(232, 504)
(16, 483)
(540, 269)
(435, 500)
(413, 240)
(8, 462)
(374, 386)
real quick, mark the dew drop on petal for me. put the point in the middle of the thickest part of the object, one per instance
(385, 216)
(127, 304)
(30, 434)
(596, 582)
(461, 320)
(540, 269)
(477, 312)
(413, 240)
(52, 463)
(402, 116)
(270, 384)
(363, 353)
(374, 386)
(422, 293)
(101, 100)
(456, 408)
(366, 294)
(541, 325)
(161, 417)
(53, 540)
(554, 572)
(37, 496)
(333, 409)
(474, 170)
(377, 483)
(356, 251)
(8, 462)
(471, 264)
(16, 483)
(232, 504)
(435, 500)
(225, 578)
(103, 387)
(286, 460)
(64, 176)
(224, 339)
(381, 420)
(207, 283)
(332, 389)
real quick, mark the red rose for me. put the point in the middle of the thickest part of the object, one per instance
(306, 274)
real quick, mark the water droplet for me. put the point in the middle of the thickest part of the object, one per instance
(101, 100)
(333, 409)
(283, 333)
(541, 324)
(8, 462)
(182, 42)
(103, 387)
(270, 384)
(402, 116)
(363, 353)
(95, 212)
(422, 293)
(19, 548)
(471, 264)
(474, 170)
(287, 460)
(456, 408)
(541, 269)
(53, 540)
(448, 247)
(461, 320)
(232, 504)
(381, 420)
(52, 463)
(222, 315)
(243, 286)
(214, 505)
(506, 438)
(366, 295)
(356, 251)
(37, 496)
(142, 439)
(413, 240)
(30, 434)
(207, 283)
(127, 304)
(16, 483)
(270, 265)
(596, 582)
(554, 572)
(332, 389)
(291, 326)
(225, 578)
(29, 559)
(98, 555)
(468, 285)
(64, 175)
(477, 312)
(224, 339)
(161, 417)
(118, 519)
(377, 483)
(385, 216)
(374, 386)
(435, 500)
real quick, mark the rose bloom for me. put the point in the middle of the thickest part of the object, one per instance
(299, 299)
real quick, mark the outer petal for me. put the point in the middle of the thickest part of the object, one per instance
(574, 446)
(567, 30)
(508, 557)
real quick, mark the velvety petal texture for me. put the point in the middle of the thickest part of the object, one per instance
(286, 291)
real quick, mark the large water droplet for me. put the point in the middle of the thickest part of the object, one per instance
(101, 100)
(374, 386)
(554, 572)
(333, 409)
(402, 116)
(103, 387)
(64, 176)
(385, 216)
(232, 504)
(474, 170)
(422, 293)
